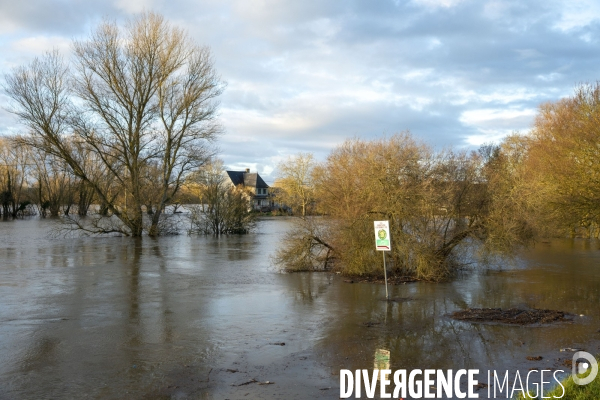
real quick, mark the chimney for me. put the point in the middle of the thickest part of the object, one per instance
(247, 170)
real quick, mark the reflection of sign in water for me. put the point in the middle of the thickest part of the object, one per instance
(382, 236)
(382, 360)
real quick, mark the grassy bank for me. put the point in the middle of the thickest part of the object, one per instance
(573, 391)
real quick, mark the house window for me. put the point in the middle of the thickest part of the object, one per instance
(260, 191)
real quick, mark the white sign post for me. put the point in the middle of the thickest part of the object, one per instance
(383, 243)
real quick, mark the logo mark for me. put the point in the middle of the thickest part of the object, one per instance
(583, 367)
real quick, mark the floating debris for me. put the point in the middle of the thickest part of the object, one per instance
(370, 324)
(392, 280)
(245, 383)
(513, 316)
(399, 299)
(254, 381)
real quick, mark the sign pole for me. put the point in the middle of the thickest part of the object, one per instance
(387, 296)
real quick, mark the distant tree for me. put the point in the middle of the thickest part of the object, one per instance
(514, 212)
(139, 99)
(564, 160)
(15, 166)
(53, 182)
(294, 186)
(223, 208)
(83, 192)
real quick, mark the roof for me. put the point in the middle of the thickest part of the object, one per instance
(248, 179)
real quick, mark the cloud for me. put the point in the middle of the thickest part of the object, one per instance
(49, 17)
(490, 119)
(135, 6)
(37, 45)
(437, 3)
(577, 14)
(304, 76)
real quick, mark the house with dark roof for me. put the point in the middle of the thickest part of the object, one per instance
(261, 199)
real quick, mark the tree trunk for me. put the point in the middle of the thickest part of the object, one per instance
(154, 231)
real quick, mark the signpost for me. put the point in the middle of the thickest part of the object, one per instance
(383, 243)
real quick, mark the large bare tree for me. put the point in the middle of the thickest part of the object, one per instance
(139, 98)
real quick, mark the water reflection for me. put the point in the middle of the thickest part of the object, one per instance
(562, 275)
(173, 317)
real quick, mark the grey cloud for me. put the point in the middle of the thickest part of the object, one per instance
(333, 70)
(52, 17)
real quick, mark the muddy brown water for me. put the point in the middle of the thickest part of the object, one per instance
(210, 318)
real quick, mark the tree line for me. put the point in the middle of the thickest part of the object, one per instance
(33, 182)
(446, 208)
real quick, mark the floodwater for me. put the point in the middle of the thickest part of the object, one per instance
(210, 318)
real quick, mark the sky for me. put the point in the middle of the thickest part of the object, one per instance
(303, 76)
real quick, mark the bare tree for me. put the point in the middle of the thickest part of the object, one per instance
(53, 183)
(138, 98)
(15, 166)
(223, 208)
(306, 245)
(438, 205)
(295, 187)
(563, 161)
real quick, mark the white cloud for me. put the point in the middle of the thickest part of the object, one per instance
(491, 125)
(495, 9)
(7, 25)
(418, 74)
(487, 136)
(434, 43)
(37, 45)
(553, 76)
(496, 117)
(134, 6)
(438, 3)
(507, 95)
(577, 14)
